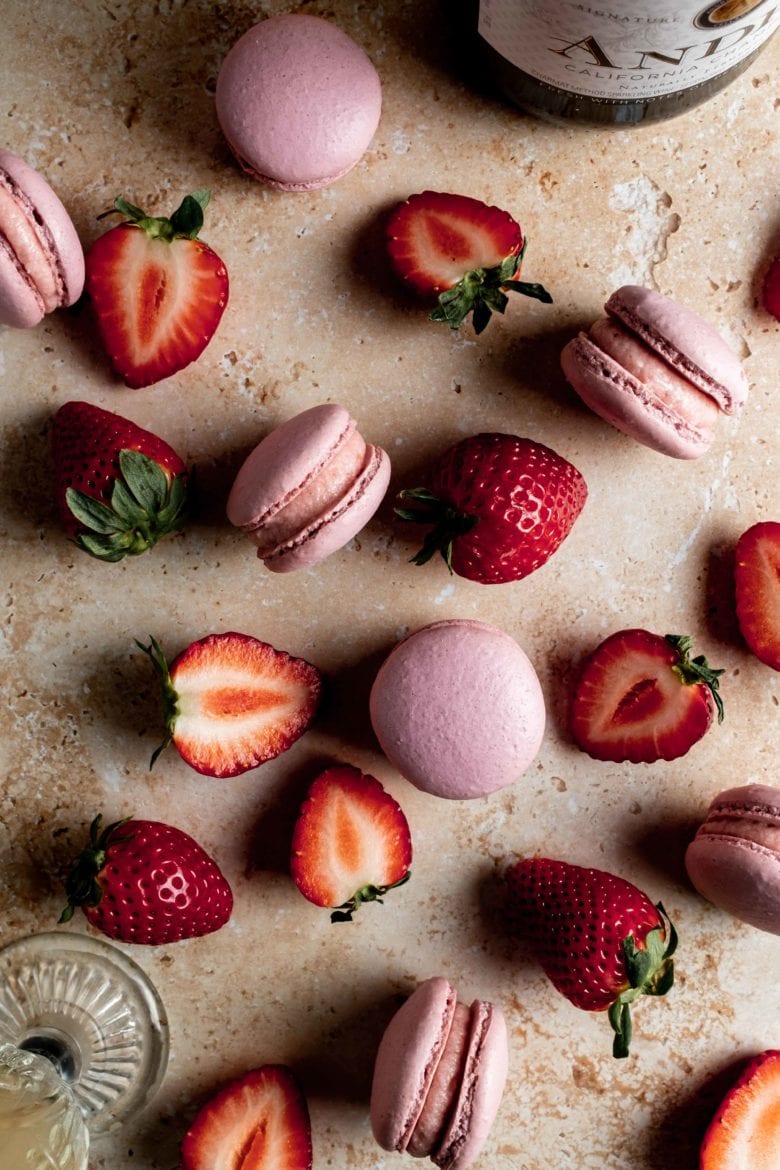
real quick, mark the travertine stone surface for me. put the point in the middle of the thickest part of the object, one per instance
(117, 97)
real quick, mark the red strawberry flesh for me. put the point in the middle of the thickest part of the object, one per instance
(757, 581)
(234, 702)
(351, 842)
(745, 1132)
(640, 698)
(259, 1121)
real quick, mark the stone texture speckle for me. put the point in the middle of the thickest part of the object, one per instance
(118, 98)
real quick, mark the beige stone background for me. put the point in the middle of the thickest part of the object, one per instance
(117, 97)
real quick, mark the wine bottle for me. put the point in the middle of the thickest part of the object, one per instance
(617, 62)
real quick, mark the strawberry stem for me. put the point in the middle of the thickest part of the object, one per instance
(482, 292)
(695, 670)
(448, 524)
(81, 885)
(370, 893)
(185, 223)
(155, 654)
(649, 971)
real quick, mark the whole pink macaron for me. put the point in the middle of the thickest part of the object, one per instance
(458, 709)
(298, 102)
(656, 371)
(307, 488)
(439, 1076)
(41, 258)
(734, 859)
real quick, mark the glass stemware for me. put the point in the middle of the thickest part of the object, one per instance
(83, 1046)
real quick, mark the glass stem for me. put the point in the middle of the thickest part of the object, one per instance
(55, 1048)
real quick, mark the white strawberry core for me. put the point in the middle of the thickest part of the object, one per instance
(316, 497)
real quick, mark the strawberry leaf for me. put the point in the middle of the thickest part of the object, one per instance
(145, 479)
(695, 670)
(93, 514)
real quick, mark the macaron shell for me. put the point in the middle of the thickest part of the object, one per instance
(406, 1061)
(481, 1090)
(689, 343)
(285, 460)
(458, 709)
(627, 403)
(20, 305)
(298, 101)
(345, 519)
(53, 221)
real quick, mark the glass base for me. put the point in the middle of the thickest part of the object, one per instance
(92, 1011)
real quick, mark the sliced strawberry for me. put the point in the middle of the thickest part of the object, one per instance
(641, 698)
(744, 1134)
(770, 293)
(351, 842)
(460, 250)
(259, 1121)
(158, 291)
(233, 702)
(757, 580)
(119, 488)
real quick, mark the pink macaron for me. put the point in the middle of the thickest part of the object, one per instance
(458, 709)
(734, 859)
(657, 371)
(308, 488)
(298, 102)
(41, 258)
(439, 1076)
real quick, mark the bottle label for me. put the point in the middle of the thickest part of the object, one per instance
(623, 50)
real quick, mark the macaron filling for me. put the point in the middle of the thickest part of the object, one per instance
(317, 495)
(33, 254)
(444, 1087)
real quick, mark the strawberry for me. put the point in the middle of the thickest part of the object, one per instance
(770, 292)
(232, 702)
(598, 938)
(351, 842)
(500, 506)
(259, 1121)
(158, 291)
(147, 882)
(642, 698)
(119, 487)
(744, 1134)
(757, 581)
(461, 251)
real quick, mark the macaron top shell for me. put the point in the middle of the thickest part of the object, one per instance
(41, 260)
(458, 709)
(684, 339)
(298, 101)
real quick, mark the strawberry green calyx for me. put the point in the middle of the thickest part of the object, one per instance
(695, 670)
(447, 523)
(482, 292)
(344, 912)
(81, 885)
(649, 971)
(145, 505)
(185, 223)
(155, 654)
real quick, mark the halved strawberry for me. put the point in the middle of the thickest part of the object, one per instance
(757, 581)
(351, 842)
(233, 702)
(259, 1121)
(158, 291)
(119, 487)
(744, 1134)
(641, 698)
(770, 293)
(461, 251)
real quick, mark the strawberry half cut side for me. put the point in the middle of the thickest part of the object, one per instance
(232, 702)
(351, 843)
(642, 697)
(744, 1134)
(258, 1121)
(462, 251)
(757, 584)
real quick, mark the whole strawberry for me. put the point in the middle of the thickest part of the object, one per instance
(599, 939)
(119, 488)
(157, 290)
(641, 697)
(142, 881)
(499, 505)
(461, 251)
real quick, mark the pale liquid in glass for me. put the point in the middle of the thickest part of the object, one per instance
(41, 1127)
